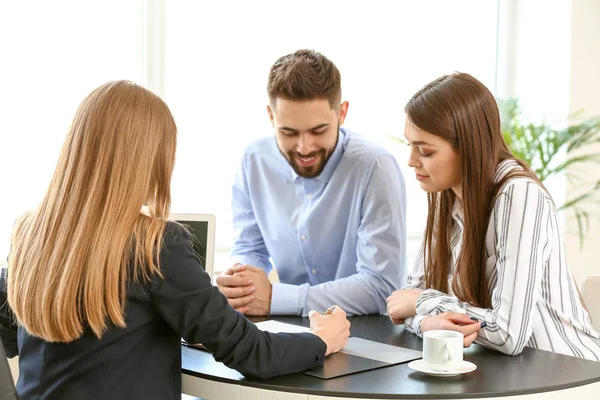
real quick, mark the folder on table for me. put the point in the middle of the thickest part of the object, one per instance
(362, 355)
(358, 355)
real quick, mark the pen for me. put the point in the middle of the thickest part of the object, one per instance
(328, 311)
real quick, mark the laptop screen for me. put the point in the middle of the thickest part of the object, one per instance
(199, 233)
(202, 230)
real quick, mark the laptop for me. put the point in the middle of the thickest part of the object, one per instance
(202, 228)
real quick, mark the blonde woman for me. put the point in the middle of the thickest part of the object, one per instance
(98, 294)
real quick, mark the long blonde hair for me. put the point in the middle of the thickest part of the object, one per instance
(71, 258)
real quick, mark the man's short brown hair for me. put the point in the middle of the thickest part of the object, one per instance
(305, 75)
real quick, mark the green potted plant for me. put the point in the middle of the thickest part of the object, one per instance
(551, 151)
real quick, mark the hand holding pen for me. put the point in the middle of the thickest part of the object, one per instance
(332, 327)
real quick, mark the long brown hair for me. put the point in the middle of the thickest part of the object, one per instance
(461, 110)
(70, 258)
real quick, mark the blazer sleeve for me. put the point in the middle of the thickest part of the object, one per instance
(8, 326)
(188, 302)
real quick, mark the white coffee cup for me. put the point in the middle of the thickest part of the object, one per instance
(442, 350)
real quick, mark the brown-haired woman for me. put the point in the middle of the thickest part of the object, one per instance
(98, 294)
(492, 265)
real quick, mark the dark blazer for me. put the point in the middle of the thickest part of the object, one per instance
(143, 360)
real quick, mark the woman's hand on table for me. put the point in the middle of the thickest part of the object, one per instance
(453, 321)
(333, 328)
(402, 304)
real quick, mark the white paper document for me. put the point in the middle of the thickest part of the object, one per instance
(280, 327)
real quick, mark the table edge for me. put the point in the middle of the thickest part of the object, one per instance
(288, 389)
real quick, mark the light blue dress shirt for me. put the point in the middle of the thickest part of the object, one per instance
(339, 238)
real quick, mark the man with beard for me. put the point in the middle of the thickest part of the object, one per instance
(324, 206)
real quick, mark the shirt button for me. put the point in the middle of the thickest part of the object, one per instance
(303, 237)
(309, 196)
(314, 271)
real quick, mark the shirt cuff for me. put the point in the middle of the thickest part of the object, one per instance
(414, 324)
(285, 299)
(428, 301)
(482, 314)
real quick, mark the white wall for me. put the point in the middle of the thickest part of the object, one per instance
(584, 94)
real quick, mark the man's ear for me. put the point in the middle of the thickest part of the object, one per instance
(270, 115)
(343, 112)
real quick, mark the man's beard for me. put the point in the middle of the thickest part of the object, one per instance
(314, 170)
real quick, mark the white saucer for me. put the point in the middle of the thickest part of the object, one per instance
(462, 368)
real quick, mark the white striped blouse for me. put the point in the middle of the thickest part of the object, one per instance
(535, 302)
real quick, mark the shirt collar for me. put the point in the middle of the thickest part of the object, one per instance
(457, 209)
(332, 163)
